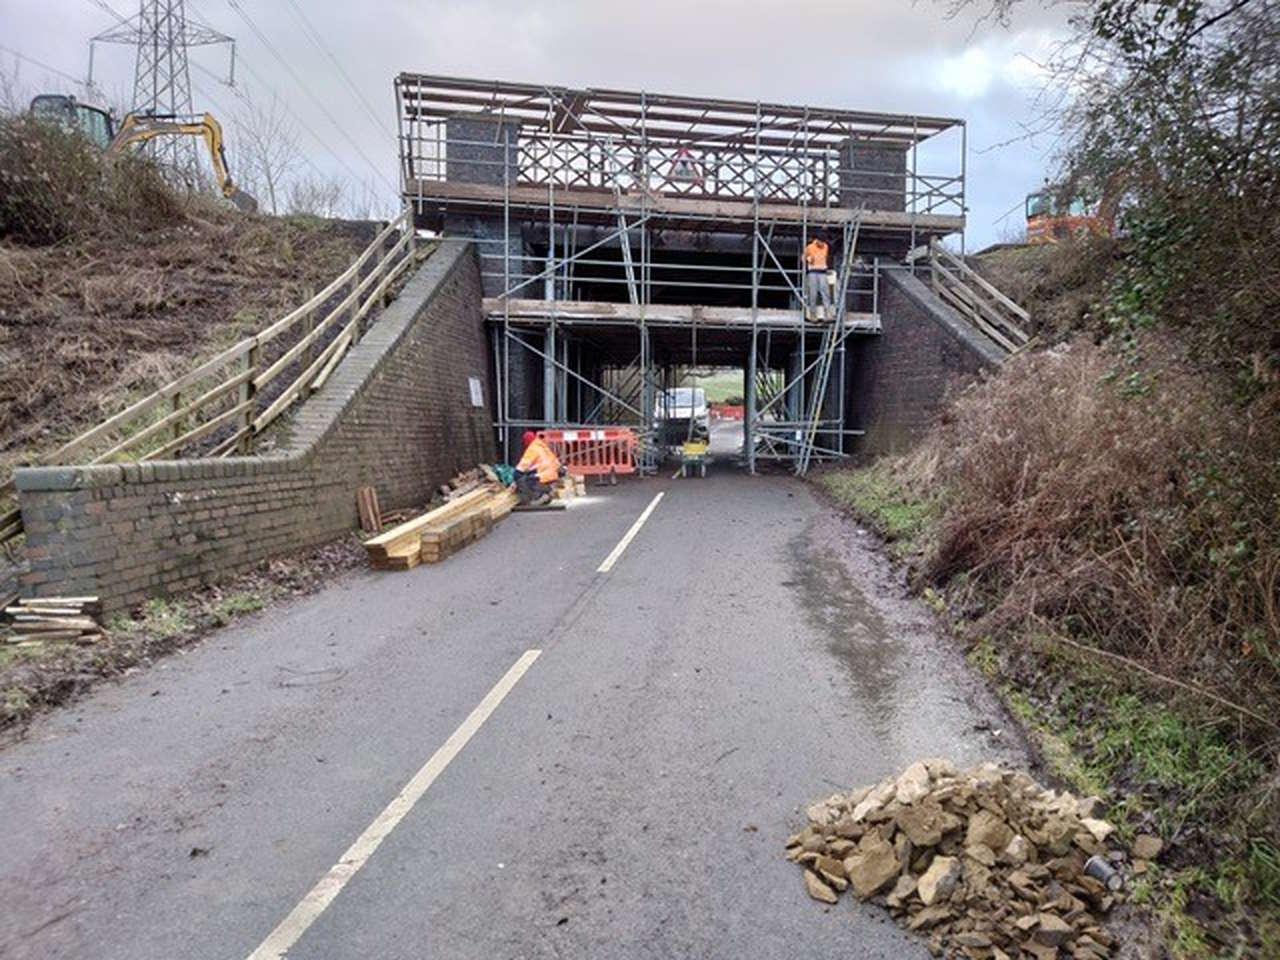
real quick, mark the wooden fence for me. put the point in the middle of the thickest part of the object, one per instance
(221, 406)
(976, 299)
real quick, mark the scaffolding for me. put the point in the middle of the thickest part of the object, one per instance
(626, 238)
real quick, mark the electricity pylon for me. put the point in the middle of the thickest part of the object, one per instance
(162, 34)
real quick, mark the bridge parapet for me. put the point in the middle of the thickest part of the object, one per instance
(596, 146)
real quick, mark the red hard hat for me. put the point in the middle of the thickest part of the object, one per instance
(528, 437)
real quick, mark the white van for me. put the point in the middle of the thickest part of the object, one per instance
(673, 410)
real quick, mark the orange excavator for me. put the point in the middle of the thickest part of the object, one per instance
(1051, 218)
(136, 128)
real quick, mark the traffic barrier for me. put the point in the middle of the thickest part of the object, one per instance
(725, 411)
(607, 451)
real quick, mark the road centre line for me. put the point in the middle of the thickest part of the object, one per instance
(612, 558)
(283, 937)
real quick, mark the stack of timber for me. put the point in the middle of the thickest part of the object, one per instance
(439, 533)
(44, 619)
(569, 487)
(466, 481)
(454, 534)
(370, 515)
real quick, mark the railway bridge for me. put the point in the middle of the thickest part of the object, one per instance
(599, 247)
(628, 238)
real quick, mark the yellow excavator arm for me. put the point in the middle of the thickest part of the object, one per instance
(138, 128)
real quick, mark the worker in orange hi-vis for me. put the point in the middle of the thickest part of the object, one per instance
(816, 252)
(539, 468)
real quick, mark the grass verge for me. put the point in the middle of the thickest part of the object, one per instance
(875, 495)
(1168, 766)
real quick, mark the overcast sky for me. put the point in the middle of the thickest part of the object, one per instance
(890, 55)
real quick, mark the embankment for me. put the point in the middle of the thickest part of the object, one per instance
(398, 414)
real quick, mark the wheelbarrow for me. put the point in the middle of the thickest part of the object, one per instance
(693, 456)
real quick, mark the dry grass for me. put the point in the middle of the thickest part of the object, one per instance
(112, 282)
(1059, 284)
(88, 324)
(1106, 533)
(1135, 512)
(55, 184)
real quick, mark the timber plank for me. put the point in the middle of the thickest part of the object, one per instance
(412, 529)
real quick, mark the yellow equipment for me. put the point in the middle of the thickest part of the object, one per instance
(96, 124)
(693, 455)
(139, 128)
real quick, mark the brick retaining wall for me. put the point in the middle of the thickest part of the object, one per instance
(396, 414)
(900, 378)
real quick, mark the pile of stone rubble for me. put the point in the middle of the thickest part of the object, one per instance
(985, 862)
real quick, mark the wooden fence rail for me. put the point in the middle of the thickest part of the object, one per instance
(977, 299)
(228, 389)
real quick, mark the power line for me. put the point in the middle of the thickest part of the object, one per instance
(161, 36)
(319, 42)
(235, 5)
(44, 66)
(240, 95)
(320, 141)
(243, 98)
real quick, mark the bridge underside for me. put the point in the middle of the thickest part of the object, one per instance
(564, 363)
(628, 239)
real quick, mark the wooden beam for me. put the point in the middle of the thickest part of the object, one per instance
(528, 195)
(175, 419)
(679, 314)
(412, 529)
(205, 428)
(163, 395)
(422, 86)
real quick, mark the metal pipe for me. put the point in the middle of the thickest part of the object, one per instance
(585, 250)
(504, 411)
(964, 183)
(536, 352)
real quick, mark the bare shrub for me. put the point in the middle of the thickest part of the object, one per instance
(267, 138)
(316, 195)
(1062, 285)
(1136, 514)
(55, 184)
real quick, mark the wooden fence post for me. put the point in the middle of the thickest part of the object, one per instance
(308, 324)
(354, 309)
(177, 405)
(247, 393)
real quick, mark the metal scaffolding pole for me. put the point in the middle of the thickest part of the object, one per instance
(614, 159)
(515, 337)
(750, 418)
(749, 431)
(504, 403)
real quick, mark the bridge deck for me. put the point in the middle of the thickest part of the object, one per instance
(432, 198)
(542, 312)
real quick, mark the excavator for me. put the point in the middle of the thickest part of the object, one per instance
(98, 127)
(1051, 217)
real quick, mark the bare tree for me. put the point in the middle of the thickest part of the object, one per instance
(13, 93)
(267, 145)
(318, 195)
(366, 202)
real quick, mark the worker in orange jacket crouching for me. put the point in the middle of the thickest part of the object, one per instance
(537, 471)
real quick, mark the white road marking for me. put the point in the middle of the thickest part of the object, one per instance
(283, 937)
(612, 558)
(676, 475)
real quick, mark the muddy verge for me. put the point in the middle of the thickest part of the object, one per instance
(34, 681)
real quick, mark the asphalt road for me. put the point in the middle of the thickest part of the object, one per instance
(627, 797)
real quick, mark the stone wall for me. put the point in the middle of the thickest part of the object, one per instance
(396, 414)
(899, 380)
